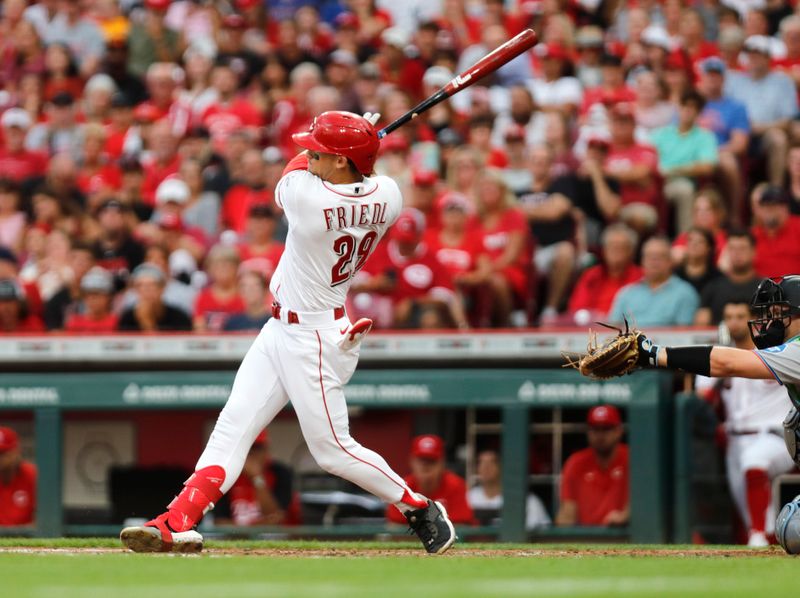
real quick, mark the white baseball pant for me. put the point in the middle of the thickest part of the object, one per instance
(302, 363)
(764, 451)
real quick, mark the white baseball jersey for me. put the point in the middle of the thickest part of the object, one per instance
(754, 411)
(750, 404)
(333, 229)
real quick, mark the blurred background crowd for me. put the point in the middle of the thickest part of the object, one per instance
(642, 159)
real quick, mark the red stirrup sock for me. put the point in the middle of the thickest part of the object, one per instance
(198, 496)
(411, 501)
(758, 493)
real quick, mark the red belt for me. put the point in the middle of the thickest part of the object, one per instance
(293, 318)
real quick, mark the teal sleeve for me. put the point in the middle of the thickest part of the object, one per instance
(618, 307)
(707, 148)
(688, 308)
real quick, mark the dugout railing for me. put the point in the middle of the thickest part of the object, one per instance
(515, 372)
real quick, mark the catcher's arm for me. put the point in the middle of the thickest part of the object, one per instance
(708, 360)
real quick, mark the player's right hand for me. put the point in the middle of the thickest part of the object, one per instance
(372, 117)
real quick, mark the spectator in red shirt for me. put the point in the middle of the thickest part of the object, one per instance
(458, 247)
(290, 113)
(507, 244)
(221, 298)
(397, 67)
(263, 494)
(163, 159)
(777, 232)
(595, 290)
(94, 313)
(260, 249)
(635, 168)
(479, 136)
(424, 192)
(162, 82)
(16, 162)
(594, 482)
(421, 289)
(14, 316)
(17, 482)
(230, 111)
(693, 37)
(97, 174)
(432, 479)
(250, 191)
(613, 87)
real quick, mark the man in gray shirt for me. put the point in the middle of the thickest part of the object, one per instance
(771, 101)
(82, 36)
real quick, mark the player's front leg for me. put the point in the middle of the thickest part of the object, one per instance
(256, 397)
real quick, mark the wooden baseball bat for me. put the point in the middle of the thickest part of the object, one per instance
(488, 64)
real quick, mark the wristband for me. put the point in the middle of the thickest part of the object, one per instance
(259, 481)
(695, 359)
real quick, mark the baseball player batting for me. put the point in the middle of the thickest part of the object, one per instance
(337, 213)
(775, 331)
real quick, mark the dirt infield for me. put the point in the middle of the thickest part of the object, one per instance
(463, 551)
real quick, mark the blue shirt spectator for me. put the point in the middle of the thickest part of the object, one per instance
(769, 96)
(660, 298)
(723, 116)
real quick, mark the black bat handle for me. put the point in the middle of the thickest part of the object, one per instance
(418, 109)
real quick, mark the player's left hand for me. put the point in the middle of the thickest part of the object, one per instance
(372, 117)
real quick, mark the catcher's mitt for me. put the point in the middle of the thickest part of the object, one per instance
(617, 356)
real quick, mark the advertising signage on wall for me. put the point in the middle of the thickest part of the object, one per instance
(368, 388)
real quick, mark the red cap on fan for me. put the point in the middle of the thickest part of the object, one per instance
(157, 4)
(262, 438)
(555, 51)
(394, 143)
(409, 226)
(234, 22)
(424, 178)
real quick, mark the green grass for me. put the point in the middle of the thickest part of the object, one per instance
(464, 573)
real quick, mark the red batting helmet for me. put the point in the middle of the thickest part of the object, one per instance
(344, 134)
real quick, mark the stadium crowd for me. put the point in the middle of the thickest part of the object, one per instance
(642, 159)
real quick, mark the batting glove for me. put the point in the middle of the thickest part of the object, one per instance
(372, 118)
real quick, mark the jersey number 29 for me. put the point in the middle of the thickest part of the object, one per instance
(345, 248)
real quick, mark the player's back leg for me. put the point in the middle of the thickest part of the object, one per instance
(314, 369)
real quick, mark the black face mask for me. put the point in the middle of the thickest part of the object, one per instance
(766, 334)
